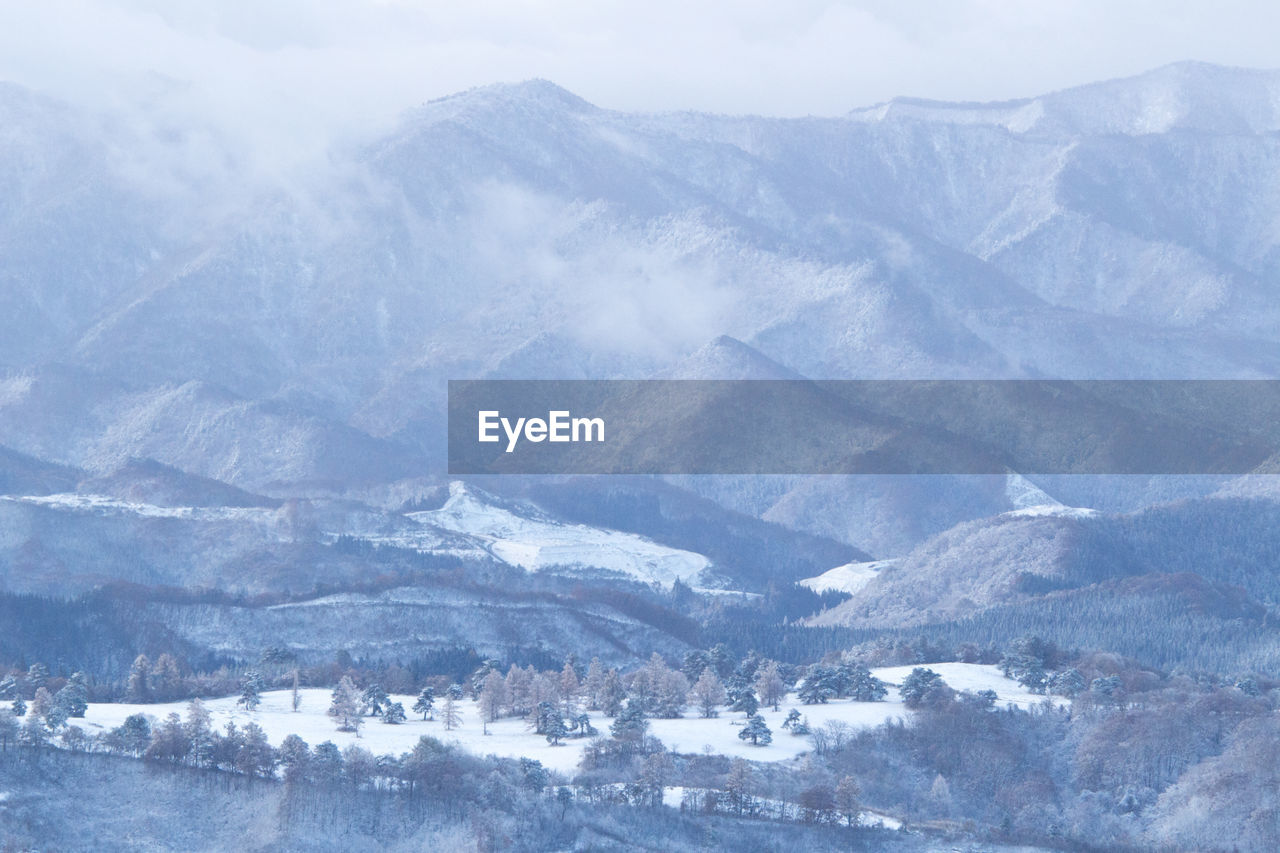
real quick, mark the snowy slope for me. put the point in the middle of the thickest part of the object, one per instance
(521, 536)
(849, 578)
(102, 504)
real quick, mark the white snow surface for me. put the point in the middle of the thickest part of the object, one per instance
(512, 738)
(102, 504)
(1030, 501)
(849, 578)
(1052, 510)
(1023, 493)
(533, 542)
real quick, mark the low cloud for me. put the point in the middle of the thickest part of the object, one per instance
(290, 77)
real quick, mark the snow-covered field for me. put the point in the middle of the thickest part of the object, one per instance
(849, 578)
(534, 543)
(102, 504)
(511, 738)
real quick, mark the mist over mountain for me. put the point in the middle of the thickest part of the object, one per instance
(293, 336)
(517, 229)
(223, 469)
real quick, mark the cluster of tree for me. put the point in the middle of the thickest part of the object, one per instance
(844, 680)
(62, 800)
(51, 700)
(1133, 761)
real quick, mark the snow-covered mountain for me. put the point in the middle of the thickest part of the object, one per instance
(289, 337)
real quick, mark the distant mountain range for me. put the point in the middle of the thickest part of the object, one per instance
(293, 337)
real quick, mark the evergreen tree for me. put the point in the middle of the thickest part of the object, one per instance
(817, 689)
(394, 714)
(73, 699)
(924, 687)
(719, 658)
(581, 726)
(541, 717)
(695, 662)
(426, 699)
(476, 682)
(1068, 682)
(793, 717)
(19, 706)
(251, 691)
(373, 699)
(863, 686)
(1107, 686)
(1033, 677)
(554, 727)
(746, 703)
(756, 731)
(630, 726)
(535, 775)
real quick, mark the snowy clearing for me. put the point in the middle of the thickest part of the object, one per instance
(511, 738)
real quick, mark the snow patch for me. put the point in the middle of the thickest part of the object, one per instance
(1052, 510)
(523, 537)
(849, 578)
(104, 505)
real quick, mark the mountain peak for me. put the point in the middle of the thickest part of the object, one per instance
(536, 92)
(1188, 95)
(726, 357)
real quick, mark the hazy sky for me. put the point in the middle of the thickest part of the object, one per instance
(316, 65)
